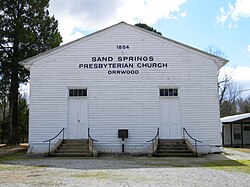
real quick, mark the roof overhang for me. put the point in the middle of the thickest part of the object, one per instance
(236, 118)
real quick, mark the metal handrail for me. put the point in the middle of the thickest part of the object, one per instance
(91, 137)
(49, 140)
(152, 140)
(157, 134)
(195, 140)
(91, 140)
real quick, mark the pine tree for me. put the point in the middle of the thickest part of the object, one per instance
(145, 26)
(26, 29)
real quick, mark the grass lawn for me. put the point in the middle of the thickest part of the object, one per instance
(229, 165)
(245, 150)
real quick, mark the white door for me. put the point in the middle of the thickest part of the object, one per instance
(169, 119)
(78, 119)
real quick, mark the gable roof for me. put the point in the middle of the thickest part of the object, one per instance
(235, 118)
(218, 60)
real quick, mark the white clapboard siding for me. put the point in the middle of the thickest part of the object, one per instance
(124, 101)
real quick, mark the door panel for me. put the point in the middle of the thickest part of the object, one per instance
(72, 119)
(169, 119)
(77, 119)
(82, 119)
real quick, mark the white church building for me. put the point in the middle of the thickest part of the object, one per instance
(124, 79)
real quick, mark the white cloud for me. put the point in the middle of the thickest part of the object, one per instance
(241, 9)
(239, 74)
(248, 48)
(89, 15)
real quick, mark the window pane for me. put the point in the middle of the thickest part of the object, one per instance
(71, 92)
(77, 92)
(166, 92)
(84, 92)
(171, 93)
(80, 92)
(175, 92)
(162, 92)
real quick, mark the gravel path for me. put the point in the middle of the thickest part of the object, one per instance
(118, 171)
(123, 177)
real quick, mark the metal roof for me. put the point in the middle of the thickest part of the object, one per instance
(230, 119)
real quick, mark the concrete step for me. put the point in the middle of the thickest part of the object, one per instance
(180, 150)
(174, 151)
(76, 140)
(63, 146)
(71, 155)
(171, 143)
(173, 148)
(71, 151)
(170, 140)
(73, 148)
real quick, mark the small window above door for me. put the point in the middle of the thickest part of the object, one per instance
(169, 92)
(77, 92)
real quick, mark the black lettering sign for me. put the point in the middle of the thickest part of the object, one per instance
(124, 65)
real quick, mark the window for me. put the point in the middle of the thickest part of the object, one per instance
(77, 92)
(169, 92)
(247, 128)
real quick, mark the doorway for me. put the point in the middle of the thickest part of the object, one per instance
(169, 119)
(77, 118)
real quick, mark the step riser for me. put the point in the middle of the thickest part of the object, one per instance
(174, 155)
(173, 151)
(71, 155)
(74, 147)
(172, 144)
(78, 144)
(169, 147)
(72, 151)
(81, 140)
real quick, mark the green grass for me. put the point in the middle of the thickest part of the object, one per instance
(244, 150)
(6, 167)
(166, 165)
(14, 156)
(229, 165)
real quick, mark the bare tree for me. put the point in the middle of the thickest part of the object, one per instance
(223, 86)
(229, 91)
(244, 105)
(215, 51)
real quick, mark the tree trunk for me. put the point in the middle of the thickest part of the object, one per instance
(13, 138)
(4, 122)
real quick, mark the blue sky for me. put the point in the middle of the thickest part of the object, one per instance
(200, 29)
(199, 23)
